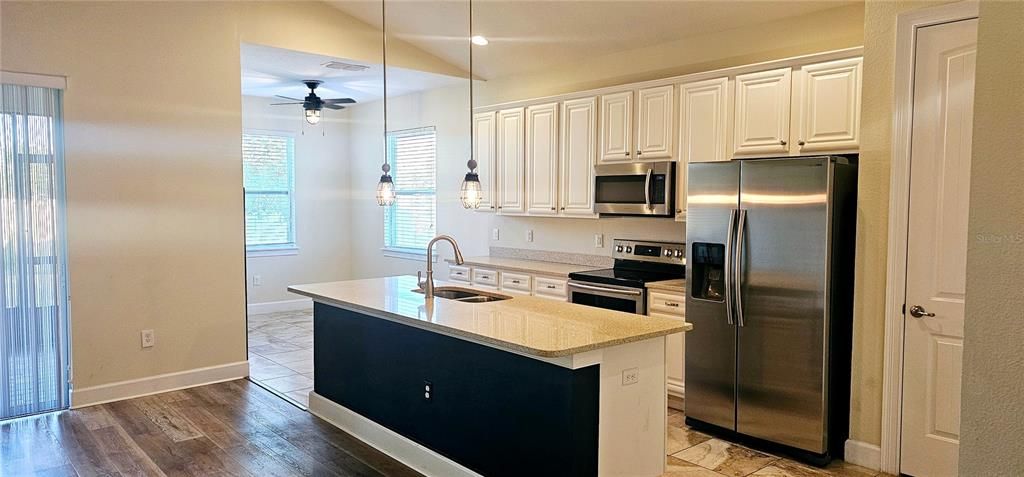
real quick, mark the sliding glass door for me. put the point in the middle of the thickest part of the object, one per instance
(33, 296)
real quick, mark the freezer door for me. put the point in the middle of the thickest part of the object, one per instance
(711, 346)
(782, 258)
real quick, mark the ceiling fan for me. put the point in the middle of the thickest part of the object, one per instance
(313, 104)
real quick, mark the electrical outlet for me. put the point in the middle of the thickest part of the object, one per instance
(494, 233)
(257, 280)
(598, 240)
(428, 391)
(148, 338)
(630, 376)
(529, 235)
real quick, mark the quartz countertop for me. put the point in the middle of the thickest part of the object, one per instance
(674, 286)
(526, 266)
(524, 324)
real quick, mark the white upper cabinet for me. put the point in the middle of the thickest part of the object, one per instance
(510, 160)
(655, 132)
(542, 159)
(484, 143)
(827, 106)
(762, 110)
(579, 154)
(703, 126)
(617, 127)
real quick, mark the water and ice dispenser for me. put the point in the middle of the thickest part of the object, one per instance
(708, 280)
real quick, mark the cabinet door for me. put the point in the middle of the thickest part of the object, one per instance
(675, 355)
(511, 171)
(827, 116)
(762, 113)
(617, 127)
(703, 122)
(484, 144)
(579, 153)
(542, 159)
(655, 116)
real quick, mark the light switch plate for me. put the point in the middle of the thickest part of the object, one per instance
(494, 233)
(598, 240)
(148, 338)
(529, 235)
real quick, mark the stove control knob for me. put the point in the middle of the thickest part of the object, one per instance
(668, 253)
(618, 248)
(679, 254)
(629, 249)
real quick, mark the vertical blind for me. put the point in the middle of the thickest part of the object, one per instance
(409, 223)
(268, 168)
(33, 299)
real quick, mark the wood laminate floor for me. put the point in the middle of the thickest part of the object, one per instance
(232, 428)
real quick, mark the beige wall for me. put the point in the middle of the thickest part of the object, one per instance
(873, 216)
(322, 222)
(825, 30)
(993, 385)
(153, 164)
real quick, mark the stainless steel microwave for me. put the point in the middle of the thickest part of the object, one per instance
(640, 188)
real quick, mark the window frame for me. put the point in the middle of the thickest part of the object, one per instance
(392, 251)
(282, 249)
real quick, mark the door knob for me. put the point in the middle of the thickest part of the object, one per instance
(917, 311)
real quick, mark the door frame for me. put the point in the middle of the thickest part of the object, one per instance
(907, 25)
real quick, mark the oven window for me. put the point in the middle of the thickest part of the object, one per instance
(618, 304)
(629, 189)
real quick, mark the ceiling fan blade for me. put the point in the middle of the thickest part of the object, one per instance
(290, 99)
(340, 101)
(334, 106)
(283, 104)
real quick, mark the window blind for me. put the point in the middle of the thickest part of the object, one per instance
(33, 292)
(268, 168)
(410, 223)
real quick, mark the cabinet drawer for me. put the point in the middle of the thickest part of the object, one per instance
(550, 287)
(516, 282)
(457, 273)
(485, 278)
(666, 303)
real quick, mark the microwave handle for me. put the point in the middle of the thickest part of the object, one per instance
(647, 189)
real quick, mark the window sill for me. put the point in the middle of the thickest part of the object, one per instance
(407, 254)
(272, 252)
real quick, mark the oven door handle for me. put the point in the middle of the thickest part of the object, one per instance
(605, 290)
(647, 189)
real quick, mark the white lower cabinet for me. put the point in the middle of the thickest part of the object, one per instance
(671, 306)
(553, 288)
(458, 273)
(513, 283)
(485, 278)
(516, 283)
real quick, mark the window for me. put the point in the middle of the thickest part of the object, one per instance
(409, 223)
(268, 170)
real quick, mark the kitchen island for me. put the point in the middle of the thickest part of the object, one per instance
(523, 386)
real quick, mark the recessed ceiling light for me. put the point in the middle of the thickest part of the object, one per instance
(338, 65)
(479, 40)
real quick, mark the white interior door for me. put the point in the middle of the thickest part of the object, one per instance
(937, 248)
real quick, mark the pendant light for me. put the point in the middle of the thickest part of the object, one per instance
(471, 192)
(312, 116)
(386, 186)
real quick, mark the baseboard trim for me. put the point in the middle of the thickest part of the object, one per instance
(419, 458)
(863, 454)
(278, 306)
(674, 387)
(161, 383)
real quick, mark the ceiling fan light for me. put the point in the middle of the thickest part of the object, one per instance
(312, 116)
(471, 193)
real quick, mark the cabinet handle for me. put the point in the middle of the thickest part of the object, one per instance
(492, 206)
(515, 281)
(679, 211)
(801, 142)
(627, 154)
(552, 287)
(782, 142)
(672, 304)
(563, 208)
(553, 208)
(639, 152)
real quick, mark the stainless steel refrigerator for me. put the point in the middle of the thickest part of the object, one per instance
(770, 246)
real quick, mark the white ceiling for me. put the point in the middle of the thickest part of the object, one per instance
(527, 35)
(268, 72)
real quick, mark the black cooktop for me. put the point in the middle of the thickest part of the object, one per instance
(631, 275)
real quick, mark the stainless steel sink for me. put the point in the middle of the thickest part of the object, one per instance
(466, 295)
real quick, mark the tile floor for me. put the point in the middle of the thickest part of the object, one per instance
(694, 454)
(281, 353)
(281, 359)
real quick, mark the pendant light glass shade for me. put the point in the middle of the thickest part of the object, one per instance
(471, 193)
(385, 189)
(312, 116)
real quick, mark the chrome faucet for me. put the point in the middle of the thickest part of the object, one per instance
(428, 285)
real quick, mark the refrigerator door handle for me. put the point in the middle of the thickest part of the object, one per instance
(741, 229)
(729, 244)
